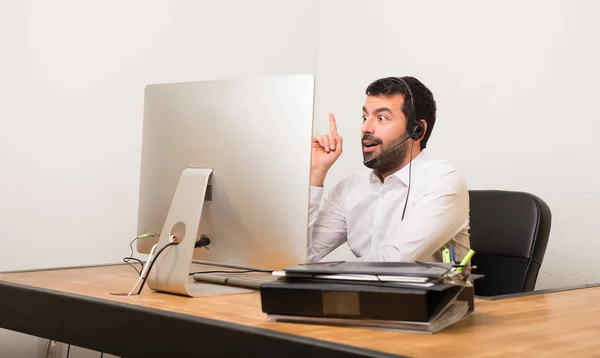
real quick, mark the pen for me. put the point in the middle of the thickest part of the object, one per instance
(452, 253)
(466, 260)
(446, 256)
(461, 244)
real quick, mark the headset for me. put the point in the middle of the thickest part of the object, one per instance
(414, 127)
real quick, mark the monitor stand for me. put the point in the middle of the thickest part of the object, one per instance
(170, 272)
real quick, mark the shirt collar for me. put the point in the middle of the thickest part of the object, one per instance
(401, 174)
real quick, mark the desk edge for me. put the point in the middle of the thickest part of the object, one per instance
(95, 323)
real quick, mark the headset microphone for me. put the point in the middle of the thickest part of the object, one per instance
(387, 150)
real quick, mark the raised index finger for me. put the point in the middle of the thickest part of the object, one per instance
(332, 125)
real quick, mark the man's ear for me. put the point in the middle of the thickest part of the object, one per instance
(418, 140)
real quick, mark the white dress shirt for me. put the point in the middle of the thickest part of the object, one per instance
(367, 213)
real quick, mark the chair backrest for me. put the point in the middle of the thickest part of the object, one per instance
(509, 234)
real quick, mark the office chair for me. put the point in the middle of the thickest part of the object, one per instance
(509, 234)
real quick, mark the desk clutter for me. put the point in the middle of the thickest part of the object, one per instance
(410, 296)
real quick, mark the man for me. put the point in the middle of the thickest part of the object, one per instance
(406, 207)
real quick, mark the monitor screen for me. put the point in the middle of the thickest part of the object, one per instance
(255, 135)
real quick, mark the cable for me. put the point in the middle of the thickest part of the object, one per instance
(409, 177)
(152, 264)
(131, 246)
(131, 258)
(202, 242)
(127, 259)
(148, 263)
(101, 354)
(68, 350)
(48, 348)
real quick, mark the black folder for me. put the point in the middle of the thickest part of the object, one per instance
(302, 296)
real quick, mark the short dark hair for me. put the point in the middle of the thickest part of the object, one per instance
(424, 101)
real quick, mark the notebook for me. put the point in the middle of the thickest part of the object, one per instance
(383, 271)
(355, 278)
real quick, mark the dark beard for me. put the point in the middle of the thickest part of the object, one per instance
(389, 160)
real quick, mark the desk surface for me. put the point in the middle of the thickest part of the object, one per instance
(555, 323)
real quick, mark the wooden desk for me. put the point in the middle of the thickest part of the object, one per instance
(75, 306)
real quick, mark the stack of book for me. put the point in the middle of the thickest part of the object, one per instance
(413, 296)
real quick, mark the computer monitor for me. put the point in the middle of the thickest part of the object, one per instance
(236, 154)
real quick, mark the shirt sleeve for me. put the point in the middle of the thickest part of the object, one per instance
(326, 223)
(438, 213)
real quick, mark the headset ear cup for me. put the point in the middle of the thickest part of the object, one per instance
(417, 130)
